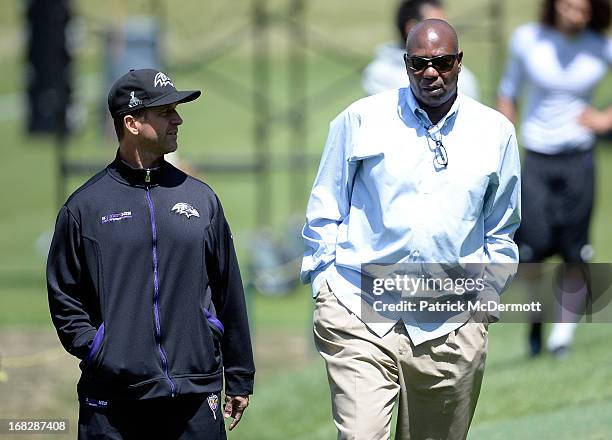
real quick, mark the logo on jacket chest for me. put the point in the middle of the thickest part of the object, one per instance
(115, 217)
(185, 209)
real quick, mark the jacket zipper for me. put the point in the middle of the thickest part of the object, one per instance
(162, 353)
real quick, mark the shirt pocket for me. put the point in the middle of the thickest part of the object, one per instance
(367, 152)
(367, 163)
(366, 170)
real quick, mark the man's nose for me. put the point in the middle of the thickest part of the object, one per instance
(177, 120)
(430, 72)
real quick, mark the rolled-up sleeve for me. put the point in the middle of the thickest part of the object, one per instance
(329, 201)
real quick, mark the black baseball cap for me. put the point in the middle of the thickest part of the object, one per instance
(145, 88)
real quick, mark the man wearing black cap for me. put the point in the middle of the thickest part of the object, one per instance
(144, 286)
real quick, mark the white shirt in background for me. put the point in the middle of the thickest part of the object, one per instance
(559, 75)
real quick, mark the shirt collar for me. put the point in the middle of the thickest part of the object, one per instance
(410, 108)
(125, 173)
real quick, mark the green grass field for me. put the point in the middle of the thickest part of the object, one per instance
(521, 398)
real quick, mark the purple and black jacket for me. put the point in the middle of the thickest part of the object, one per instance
(144, 287)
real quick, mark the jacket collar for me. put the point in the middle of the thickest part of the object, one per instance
(125, 173)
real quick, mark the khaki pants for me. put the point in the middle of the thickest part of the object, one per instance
(438, 381)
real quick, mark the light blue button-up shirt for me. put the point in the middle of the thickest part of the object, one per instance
(380, 197)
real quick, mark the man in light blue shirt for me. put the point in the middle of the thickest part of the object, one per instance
(415, 175)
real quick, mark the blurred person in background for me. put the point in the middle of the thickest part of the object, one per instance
(144, 286)
(388, 71)
(555, 65)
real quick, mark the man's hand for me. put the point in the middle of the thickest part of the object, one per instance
(234, 407)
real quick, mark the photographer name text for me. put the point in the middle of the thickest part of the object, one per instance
(455, 306)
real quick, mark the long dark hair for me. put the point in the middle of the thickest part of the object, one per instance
(600, 15)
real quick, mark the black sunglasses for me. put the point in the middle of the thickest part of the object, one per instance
(442, 64)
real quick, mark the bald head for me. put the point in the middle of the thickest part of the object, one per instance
(433, 63)
(431, 33)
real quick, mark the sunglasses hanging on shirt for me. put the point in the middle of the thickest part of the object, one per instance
(440, 155)
(439, 151)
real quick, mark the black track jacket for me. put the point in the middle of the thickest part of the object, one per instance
(144, 287)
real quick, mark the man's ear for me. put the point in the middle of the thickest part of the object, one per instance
(460, 57)
(131, 124)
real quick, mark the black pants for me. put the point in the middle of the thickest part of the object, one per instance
(557, 202)
(184, 417)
